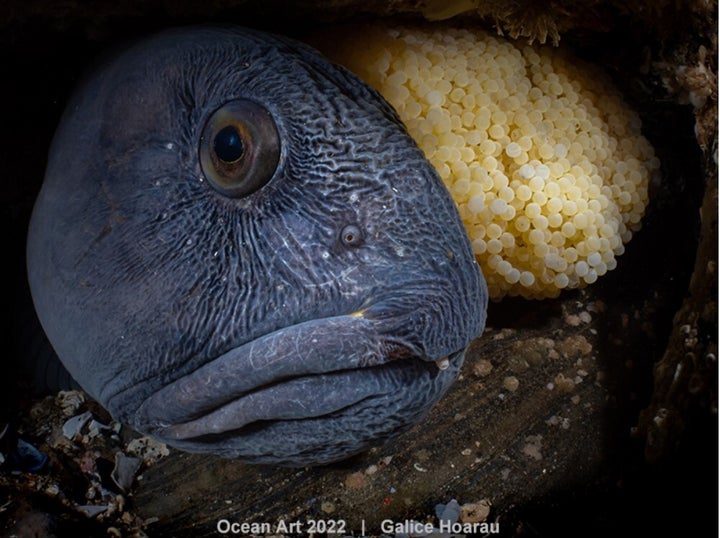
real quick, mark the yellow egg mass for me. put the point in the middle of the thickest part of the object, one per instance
(545, 161)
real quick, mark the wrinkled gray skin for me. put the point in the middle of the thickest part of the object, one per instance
(246, 327)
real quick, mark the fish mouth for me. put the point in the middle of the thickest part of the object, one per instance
(330, 369)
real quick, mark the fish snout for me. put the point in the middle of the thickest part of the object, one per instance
(433, 307)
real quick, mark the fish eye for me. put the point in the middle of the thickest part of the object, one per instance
(239, 148)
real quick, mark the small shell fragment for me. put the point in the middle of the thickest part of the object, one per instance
(91, 510)
(449, 512)
(70, 401)
(126, 467)
(149, 450)
(73, 425)
(475, 512)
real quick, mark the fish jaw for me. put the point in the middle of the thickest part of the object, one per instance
(311, 393)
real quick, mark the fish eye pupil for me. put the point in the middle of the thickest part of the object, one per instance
(239, 148)
(228, 145)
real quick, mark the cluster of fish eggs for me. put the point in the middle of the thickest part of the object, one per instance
(545, 161)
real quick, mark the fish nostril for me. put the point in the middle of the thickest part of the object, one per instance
(351, 236)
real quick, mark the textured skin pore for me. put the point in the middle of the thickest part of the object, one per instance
(246, 327)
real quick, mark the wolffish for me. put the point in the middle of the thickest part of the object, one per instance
(238, 250)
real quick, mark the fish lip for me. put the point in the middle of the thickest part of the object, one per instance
(346, 349)
(240, 416)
